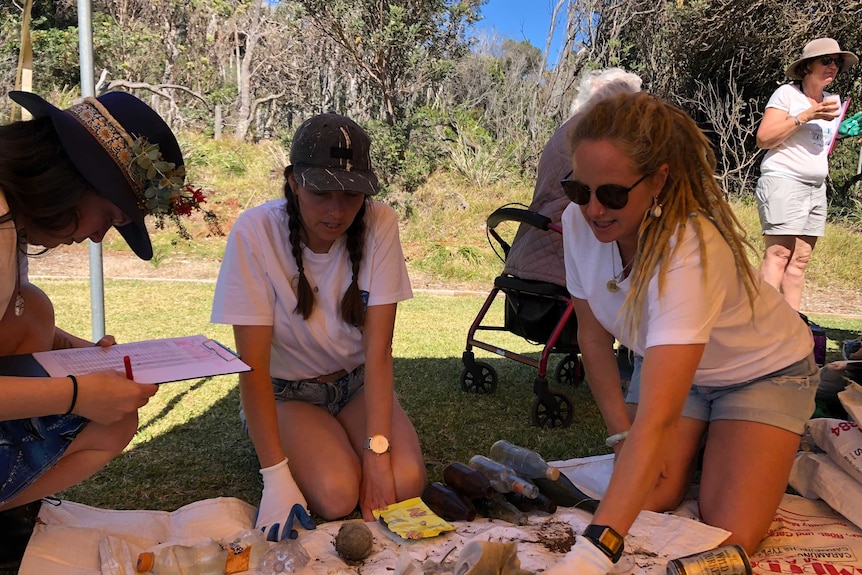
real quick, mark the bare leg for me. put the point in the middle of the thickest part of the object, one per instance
(794, 274)
(779, 250)
(745, 471)
(322, 461)
(94, 447)
(679, 467)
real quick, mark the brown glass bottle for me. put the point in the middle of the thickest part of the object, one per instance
(540, 503)
(467, 481)
(448, 504)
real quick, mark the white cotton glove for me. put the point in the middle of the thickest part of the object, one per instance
(281, 504)
(584, 558)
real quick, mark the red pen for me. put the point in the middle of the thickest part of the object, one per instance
(127, 361)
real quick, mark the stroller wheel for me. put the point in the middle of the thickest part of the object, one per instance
(479, 378)
(552, 410)
(569, 371)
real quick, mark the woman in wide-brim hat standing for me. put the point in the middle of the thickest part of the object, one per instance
(800, 121)
(67, 176)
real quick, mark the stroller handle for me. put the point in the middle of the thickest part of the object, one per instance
(508, 214)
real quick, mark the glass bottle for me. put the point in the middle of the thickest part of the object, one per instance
(497, 507)
(525, 504)
(502, 478)
(467, 481)
(525, 462)
(446, 503)
(565, 493)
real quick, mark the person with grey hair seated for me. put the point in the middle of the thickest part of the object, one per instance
(537, 254)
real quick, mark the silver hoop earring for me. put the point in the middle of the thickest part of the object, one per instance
(655, 210)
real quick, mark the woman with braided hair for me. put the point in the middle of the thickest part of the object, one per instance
(310, 284)
(656, 258)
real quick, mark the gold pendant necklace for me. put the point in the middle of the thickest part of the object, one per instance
(613, 284)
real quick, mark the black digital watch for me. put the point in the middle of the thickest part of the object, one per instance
(607, 540)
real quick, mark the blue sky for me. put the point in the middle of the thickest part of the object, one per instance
(518, 19)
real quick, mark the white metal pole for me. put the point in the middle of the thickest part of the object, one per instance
(88, 88)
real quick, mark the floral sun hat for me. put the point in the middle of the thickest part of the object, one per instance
(128, 154)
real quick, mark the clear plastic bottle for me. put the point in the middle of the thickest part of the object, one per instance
(502, 478)
(236, 553)
(204, 558)
(525, 462)
(286, 556)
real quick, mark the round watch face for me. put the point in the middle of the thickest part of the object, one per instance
(378, 444)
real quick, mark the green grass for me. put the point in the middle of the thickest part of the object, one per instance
(190, 445)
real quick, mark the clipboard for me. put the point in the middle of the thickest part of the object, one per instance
(843, 113)
(154, 361)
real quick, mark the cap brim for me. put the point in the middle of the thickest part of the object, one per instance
(332, 180)
(96, 166)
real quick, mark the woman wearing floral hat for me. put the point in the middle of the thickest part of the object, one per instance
(67, 176)
(798, 126)
(311, 283)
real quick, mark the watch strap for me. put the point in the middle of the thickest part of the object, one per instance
(607, 540)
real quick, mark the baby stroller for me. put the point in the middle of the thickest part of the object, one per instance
(540, 312)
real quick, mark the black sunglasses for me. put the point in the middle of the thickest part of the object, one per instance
(612, 196)
(826, 60)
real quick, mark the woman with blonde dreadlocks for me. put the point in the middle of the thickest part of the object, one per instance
(310, 284)
(656, 258)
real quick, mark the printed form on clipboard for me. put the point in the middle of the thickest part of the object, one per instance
(153, 361)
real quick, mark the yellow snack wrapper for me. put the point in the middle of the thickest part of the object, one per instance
(412, 519)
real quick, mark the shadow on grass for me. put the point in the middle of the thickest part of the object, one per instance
(207, 454)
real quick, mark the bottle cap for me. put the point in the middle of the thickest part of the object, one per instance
(146, 561)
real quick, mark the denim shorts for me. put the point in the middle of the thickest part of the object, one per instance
(784, 398)
(790, 208)
(30, 447)
(331, 396)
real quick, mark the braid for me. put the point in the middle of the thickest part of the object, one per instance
(304, 293)
(652, 133)
(352, 304)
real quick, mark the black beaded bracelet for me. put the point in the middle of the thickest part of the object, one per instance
(74, 393)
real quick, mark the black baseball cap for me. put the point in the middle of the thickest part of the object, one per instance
(330, 152)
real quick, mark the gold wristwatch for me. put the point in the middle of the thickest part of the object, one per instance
(379, 444)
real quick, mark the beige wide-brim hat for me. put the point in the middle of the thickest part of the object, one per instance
(821, 47)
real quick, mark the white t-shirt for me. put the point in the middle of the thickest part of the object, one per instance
(803, 156)
(715, 312)
(258, 270)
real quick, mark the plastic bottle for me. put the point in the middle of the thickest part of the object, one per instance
(236, 553)
(502, 478)
(286, 556)
(467, 481)
(245, 550)
(447, 503)
(525, 462)
(205, 558)
(496, 507)
(525, 504)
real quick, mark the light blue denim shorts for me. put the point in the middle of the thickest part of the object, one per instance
(332, 396)
(784, 398)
